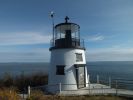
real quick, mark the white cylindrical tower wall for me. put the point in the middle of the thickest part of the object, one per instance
(66, 57)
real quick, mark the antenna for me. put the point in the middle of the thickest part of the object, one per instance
(52, 16)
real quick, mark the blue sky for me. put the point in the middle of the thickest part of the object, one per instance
(106, 27)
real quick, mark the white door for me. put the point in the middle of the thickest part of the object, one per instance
(80, 73)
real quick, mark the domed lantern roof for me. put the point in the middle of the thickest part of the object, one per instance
(63, 27)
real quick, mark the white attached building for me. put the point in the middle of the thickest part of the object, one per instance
(67, 63)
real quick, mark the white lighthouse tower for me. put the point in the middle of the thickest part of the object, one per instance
(67, 63)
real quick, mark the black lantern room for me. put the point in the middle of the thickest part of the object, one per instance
(66, 35)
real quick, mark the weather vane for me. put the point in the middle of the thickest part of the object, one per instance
(52, 14)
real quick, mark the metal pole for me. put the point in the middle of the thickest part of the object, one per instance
(52, 16)
(88, 83)
(97, 79)
(83, 43)
(88, 78)
(110, 82)
(29, 91)
(89, 89)
(60, 87)
(116, 87)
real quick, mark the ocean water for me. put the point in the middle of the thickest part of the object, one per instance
(27, 68)
(122, 71)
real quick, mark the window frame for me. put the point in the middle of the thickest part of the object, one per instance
(60, 69)
(79, 57)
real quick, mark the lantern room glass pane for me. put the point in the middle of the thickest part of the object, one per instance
(61, 30)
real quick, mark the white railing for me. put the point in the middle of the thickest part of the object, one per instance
(98, 88)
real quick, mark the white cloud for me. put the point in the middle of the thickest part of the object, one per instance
(9, 54)
(32, 55)
(24, 38)
(96, 37)
(110, 54)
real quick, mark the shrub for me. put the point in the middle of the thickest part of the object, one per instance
(24, 80)
(9, 94)
(36, 95)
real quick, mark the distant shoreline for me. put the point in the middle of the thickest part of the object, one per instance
(49, 62)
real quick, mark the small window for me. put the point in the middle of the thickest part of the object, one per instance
(79, 57)
(60, 70)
